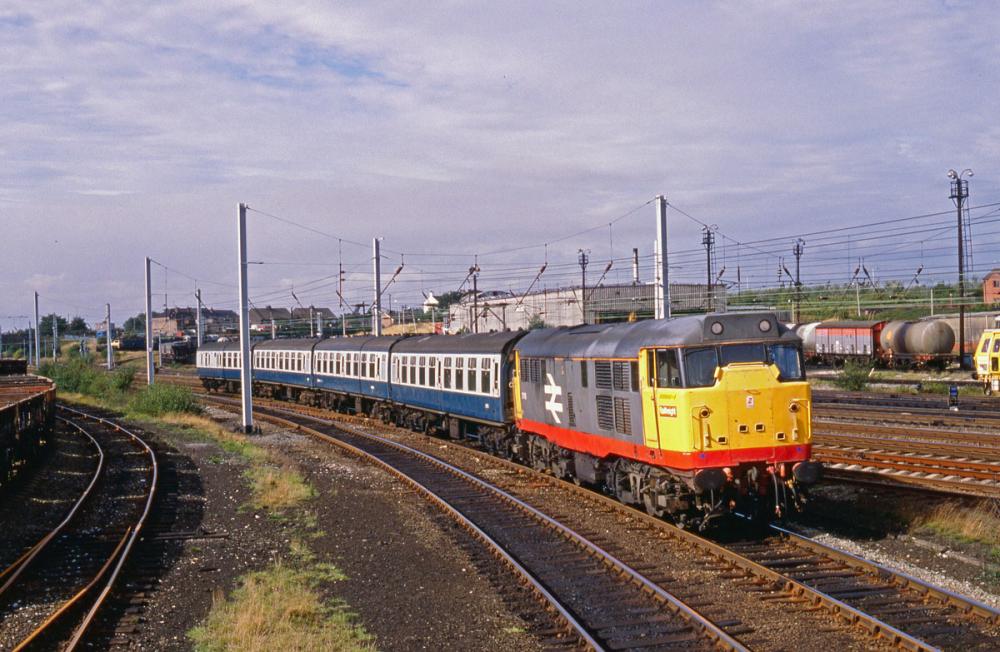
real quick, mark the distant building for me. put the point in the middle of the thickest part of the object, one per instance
(261, 318)
(303, 314)
(500, 311)
(991, 287)
(180, 321)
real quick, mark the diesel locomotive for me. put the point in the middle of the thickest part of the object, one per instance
(690, 418)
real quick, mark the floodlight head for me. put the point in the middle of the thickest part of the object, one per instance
(952, 174)
(971, 173)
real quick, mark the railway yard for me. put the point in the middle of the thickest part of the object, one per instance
(132, 533)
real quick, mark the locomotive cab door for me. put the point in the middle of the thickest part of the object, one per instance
(663, 401)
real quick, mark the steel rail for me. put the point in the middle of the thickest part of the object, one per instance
(118, 557)
(15, 569)
(963, 603)
(868, 622)
(871, 624)
(131, 537)
(700, 622)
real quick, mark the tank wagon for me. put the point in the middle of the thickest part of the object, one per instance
(26, 407)
(690, 418)
(929, 342)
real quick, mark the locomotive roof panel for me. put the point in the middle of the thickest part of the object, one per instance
(365, 343)
(624, 340)
(468, 343)
(290, 344)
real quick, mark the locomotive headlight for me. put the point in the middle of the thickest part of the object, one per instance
(764, 325)
(717, 328)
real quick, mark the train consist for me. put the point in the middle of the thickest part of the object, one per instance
(26, 408)
(929, 342)
(691, 418)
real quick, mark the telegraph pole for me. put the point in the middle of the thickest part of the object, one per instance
(959, 191)
(635, 266)
(38, 334)
(474, 273)
(797, 251)
(377, 304)
(663, 307)
(584, 259)
(708, 239)
(246, 363)
(201, 326)
(107, 338)
(149, 327)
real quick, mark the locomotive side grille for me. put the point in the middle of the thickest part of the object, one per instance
(605, 413)
(569, 408)
(602, 374)
(524, 371)
(622, 379)
(623, 416)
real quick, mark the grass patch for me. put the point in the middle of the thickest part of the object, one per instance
(854, 376)
(158, 400)
(205, 429)
(281, 608)
(964, 524)
(277, 488)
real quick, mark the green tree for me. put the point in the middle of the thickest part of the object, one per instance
(535, 322)
(77, 326)
(45, 324)
(135, 324)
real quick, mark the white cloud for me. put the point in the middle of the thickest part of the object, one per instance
(135, 130)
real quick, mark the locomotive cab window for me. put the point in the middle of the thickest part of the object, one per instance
(667, 370)
(735, 353)
(700, 366)
(788, 359)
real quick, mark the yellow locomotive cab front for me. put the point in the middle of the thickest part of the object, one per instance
(747, 413)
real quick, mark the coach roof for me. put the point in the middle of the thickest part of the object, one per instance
(469, 343)
(361, 343)
(291, 344)
(625, 339)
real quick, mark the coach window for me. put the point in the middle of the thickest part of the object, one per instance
(371, 365)
(496, 378)
(459, 373)
(700, 366)
(484, 375)
(470, 378)
(447, 373)
(433, 379)
(996, 344)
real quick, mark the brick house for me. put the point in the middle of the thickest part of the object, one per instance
(991, 287)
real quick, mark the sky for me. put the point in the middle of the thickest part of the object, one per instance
(516, 131)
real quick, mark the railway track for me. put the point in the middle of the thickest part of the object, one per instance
(51, 595)
(603, 602)
(918, 447)
(783, 571)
